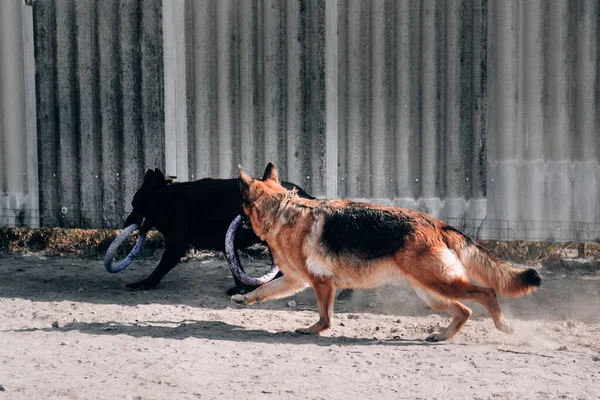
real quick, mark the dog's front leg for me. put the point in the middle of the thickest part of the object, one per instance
(174, 250)
(325, 292)
(276, 289)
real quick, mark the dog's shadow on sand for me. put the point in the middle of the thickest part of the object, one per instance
(217, 330)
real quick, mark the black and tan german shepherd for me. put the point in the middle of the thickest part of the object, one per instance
(329, 244)
(195, 214)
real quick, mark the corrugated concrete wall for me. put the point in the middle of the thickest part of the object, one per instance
(412, 104)
(428, 89)
(543, 113)
(257, 89)
(484, 113)
(99, 76)
(18, 154)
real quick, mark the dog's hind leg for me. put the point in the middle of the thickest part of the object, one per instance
(174, 250)
(325, 292)
(459, 312)
(440, 271)
(487, 298)
(459, 289)
(276, 289)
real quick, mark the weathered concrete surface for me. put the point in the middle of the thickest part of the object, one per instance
(412, 116)
(100, 104)
(480, 112)
(18, 154)
(544, 146)
(258, 82)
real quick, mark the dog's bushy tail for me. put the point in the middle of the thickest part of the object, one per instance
(483, 266)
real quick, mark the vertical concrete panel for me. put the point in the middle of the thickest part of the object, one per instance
(205, 88)
(13, 164)
(130, 55)
(586, 71)
(408, 106)
(152, 85)
(177, 99)
(559, 80)
(531, 79)
(227, 87)
(19, 201)
(249, 102)
(294, 89)
(296, 70)
(378, 110)
(173, 80)
(342, 96)
(88, 102)
(430, 81)
(313, 149)
(68, 113)
(358, 171)
(259, 111)
(479, 104)
(32, 214)
(530, 115)
(332, 96)
(111, 129)
(45, 56)
(275, 77)
(559, 121)
(456, 152)
(504, 140)
(7, 84)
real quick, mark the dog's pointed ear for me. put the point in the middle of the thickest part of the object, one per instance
(159, 175)
(244, 178)
(149, 178)
(271, 173)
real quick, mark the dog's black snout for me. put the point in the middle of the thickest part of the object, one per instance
(133, 218)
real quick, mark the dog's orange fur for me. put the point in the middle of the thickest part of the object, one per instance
(436, 262)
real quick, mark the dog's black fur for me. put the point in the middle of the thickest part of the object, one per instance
(188, 214)
(367, 232)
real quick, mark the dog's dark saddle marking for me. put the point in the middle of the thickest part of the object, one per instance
(365, 232)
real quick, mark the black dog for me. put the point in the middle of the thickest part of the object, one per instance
(187, 214)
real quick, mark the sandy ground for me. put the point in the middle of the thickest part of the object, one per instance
(70, 330)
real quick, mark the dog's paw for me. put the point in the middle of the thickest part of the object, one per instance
(239, 299)
(435, 337)
(306, 331)
(235, 290)
(506, 328)
(239, 290)
(142, 285)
